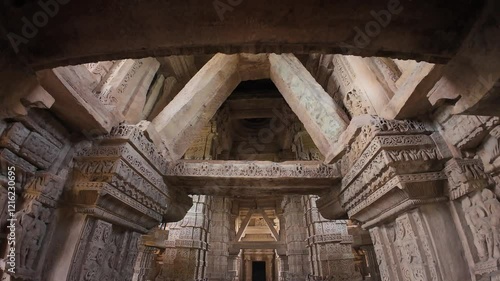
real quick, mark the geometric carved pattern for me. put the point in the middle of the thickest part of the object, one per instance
(251, 169)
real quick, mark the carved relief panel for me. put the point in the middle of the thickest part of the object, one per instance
(105, 252)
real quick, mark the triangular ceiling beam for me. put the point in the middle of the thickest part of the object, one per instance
(183, 119)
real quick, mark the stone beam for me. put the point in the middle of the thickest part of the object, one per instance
(323, 119)
(75, 102)
(184, 117)
(252, 178)
(258, 245)
(121, 29)
(244, 225)
(270, 225)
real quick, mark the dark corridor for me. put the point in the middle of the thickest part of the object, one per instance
(258, 271)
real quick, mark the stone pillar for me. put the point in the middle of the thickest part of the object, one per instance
(394, 184)
(475, 210)
(117, 194)
(323, 119)
(296, 235)
(269, 268)
(372, 262)
(217, 257)
(186, 252)
(365, 252)
(35, 151)
(151, 245)
(329, 244)
(233, 267)
(248, 269)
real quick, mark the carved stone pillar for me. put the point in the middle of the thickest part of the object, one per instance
(296, 235)
(475, 210)
(151, 245)
(329, 244)
(117, 194)
(269, 268)
(217, 257)
(282, 266)
(363, 247)
(35, 225)
(186, 254)
(34, 154)
(233, 267)
(372, 263)
(393, 183)
(248, 269)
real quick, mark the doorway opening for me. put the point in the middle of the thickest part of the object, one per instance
(258, 271)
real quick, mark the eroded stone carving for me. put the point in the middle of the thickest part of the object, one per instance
(251, 169)
(465, 176)
(482, 211)
(105, 252)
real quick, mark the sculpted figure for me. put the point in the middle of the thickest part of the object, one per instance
(37, 234)
(493, 207)
(25, 225)
(476, 216)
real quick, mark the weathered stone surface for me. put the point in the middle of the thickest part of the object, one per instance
(322, 118)
(184, 117)
(329, 244)
(252, 178)
(21, 91)
(472, 75)
(121, 29)
(75, 102)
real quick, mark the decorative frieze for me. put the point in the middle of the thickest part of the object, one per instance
(252, 169)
